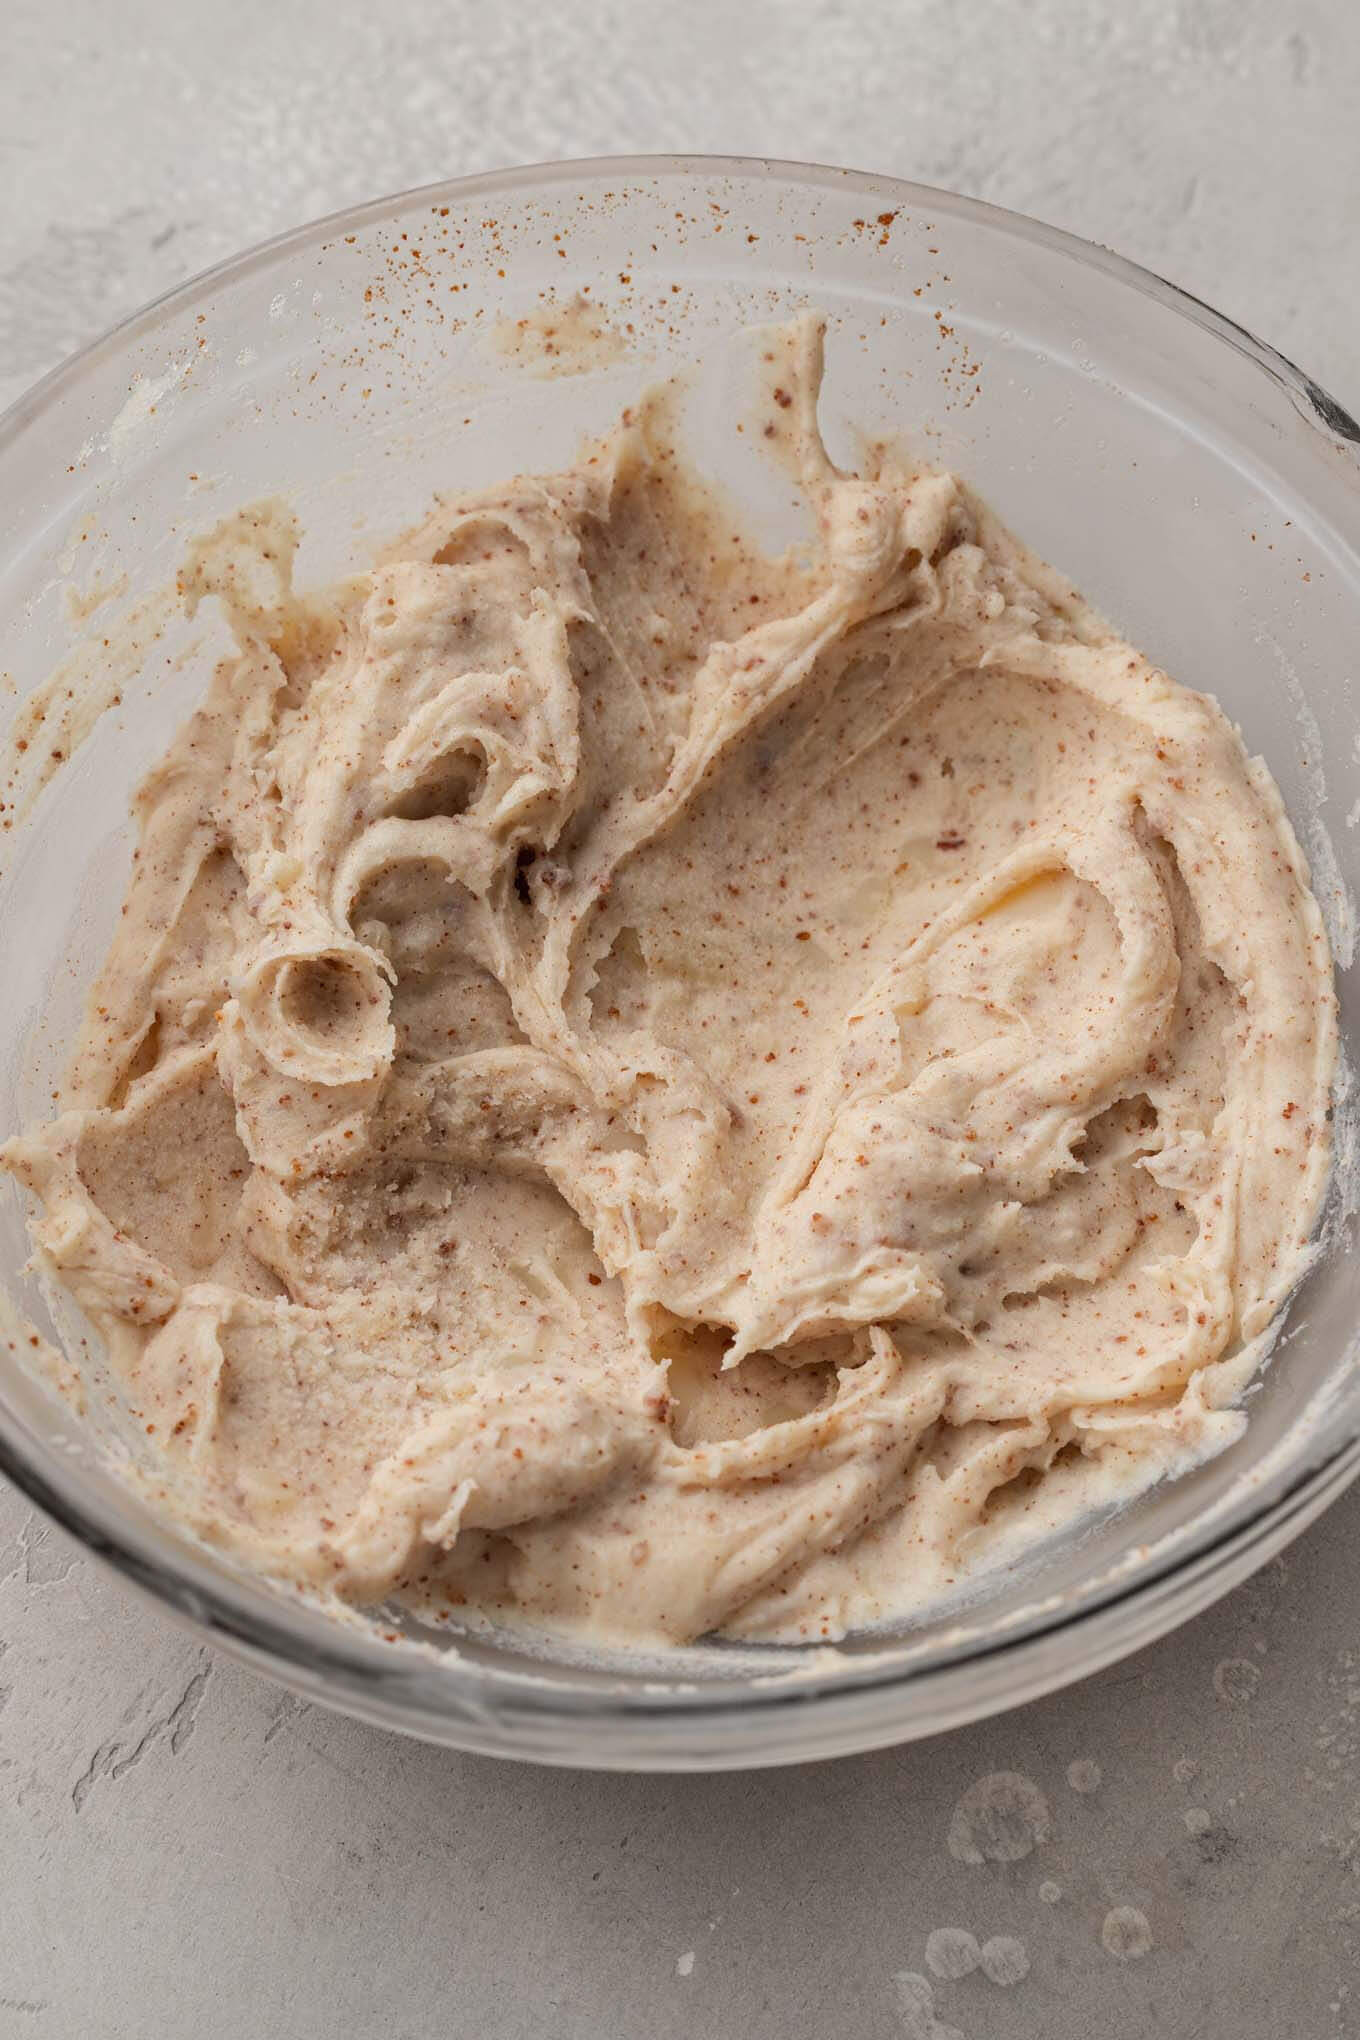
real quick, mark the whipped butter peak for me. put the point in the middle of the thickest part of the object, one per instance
(652, 1089)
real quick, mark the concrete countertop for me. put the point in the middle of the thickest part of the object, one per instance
(184, 1849)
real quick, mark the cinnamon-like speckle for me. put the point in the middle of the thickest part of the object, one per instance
(413, 1159)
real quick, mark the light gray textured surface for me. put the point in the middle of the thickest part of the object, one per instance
(183, 1849)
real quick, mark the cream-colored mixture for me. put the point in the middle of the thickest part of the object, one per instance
(658, 1090)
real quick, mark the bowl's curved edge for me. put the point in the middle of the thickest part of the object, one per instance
(704, 1729)
(1324, 408)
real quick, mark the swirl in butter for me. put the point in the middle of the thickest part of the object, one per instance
(649, 1089)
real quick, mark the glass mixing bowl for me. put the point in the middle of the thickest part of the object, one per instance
(1201, 490)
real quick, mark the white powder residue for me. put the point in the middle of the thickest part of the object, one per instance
(1084, 1775)
(1185, 1770)
(1236, 1680)
(1049, 1892)
(1000, 1819)
(1198, 1820)
(952, 1952)
(684, 1965)
(916, 2008)
(1005, 1960)
(140, 406)
(1126, 1934)
(1332, 893)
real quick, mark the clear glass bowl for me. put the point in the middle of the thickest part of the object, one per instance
(1198, 487)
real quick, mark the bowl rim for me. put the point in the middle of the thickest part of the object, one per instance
(828, 1711)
